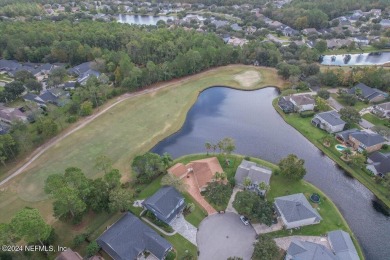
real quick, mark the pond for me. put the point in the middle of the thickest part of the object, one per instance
(378, 58)
(259, 131)
(142, 19)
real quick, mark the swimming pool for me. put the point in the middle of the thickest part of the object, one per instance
(340, 147)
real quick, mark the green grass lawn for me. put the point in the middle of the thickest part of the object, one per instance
(181, 245)
(315, 135)
(126, 130)
(375, 120)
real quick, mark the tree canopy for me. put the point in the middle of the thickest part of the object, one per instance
(292, 167)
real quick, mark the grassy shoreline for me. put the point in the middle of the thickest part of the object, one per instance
(314, 135)
(332, 217)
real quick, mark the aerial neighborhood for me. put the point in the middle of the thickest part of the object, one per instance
(226, 130)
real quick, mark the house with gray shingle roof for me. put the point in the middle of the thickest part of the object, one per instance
(364, 141)
(257, 175)
(329, 121)
(378, 163)
(295, 211)
(342, 245)
(129, 238)
(165, 204)
(382, 110)
(367, 93)
(303, 250)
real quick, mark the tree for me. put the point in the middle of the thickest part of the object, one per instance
(86, 108)
(103, 163)
(120, 200)
(29, 225)
(92, 249)
(292, 167)
(321, 46)
(358, 160)
(323, 93)
(247, 182)
(98, 197)
(286, 70)
(346, 153)
(147, 167)
(265, 248)
(113, 179)
(349, 99)
(350, 115)
(68, 203)
(166, 159)
(321, 104)
(33, 85)
(47, 127)
(56, 76)
(23, 76)
(250, 204)
(208, 146)
(174, 181)
(227, 145)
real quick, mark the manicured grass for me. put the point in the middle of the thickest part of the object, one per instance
(196, 216)
(126, 130)
(375, 120)
(315, 136)
(181, 245)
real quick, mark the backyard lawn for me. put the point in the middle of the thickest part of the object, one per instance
(315, 135)
(375, 120)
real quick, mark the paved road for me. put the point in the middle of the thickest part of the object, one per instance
(336, 105)
(221, 236)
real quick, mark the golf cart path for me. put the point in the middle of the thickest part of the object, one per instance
(43, 148)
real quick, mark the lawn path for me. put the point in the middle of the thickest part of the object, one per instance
(43, 148)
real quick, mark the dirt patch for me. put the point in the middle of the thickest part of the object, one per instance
(248, 78)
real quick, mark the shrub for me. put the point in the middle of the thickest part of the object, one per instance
(92, 248)
(79, 239)
(385, 146)
(247, 158)
(71, 119)
(306, 114)
(171, 255)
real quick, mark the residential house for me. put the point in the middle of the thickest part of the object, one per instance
(382, 110)
(295, 211)
(302, 102)
(83, 72)
(55, 96)
(344, 135)
(342, 246)
(219, 23)
(10, 114)
(288, 31)
(43, 71)
(237, 41)
(203, 171)
(361, 40)
(378, 163)
(304, 250)
(250, 30)
(308, 31)
(368, 94)
(338, 43)
(385, 23)
(130, 238)
(69, 254)
(255, 173)
(363, 141)
(339, 247)
(329, 121)
(285, 104)
(376, 12)
(9, 65)
(236, 27)
(29, 97)
(165, 204)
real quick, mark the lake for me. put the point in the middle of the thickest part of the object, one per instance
(357, 59)
(259, 131)
(142, 19)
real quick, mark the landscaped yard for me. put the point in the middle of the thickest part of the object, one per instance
(375, 120)
(315, 135)
(128, 129)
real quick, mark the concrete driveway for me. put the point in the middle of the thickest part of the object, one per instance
(221, 236)
(184, 228)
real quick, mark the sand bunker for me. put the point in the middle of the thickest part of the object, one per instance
(248, 78)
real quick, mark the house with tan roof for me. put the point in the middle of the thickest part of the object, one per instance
(203, 171)
(382, 110)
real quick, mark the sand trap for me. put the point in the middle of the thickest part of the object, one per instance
(248, 78)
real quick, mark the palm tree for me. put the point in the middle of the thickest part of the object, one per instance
(214, 148)
(326, 140)
(247, 182)
(208, 147)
